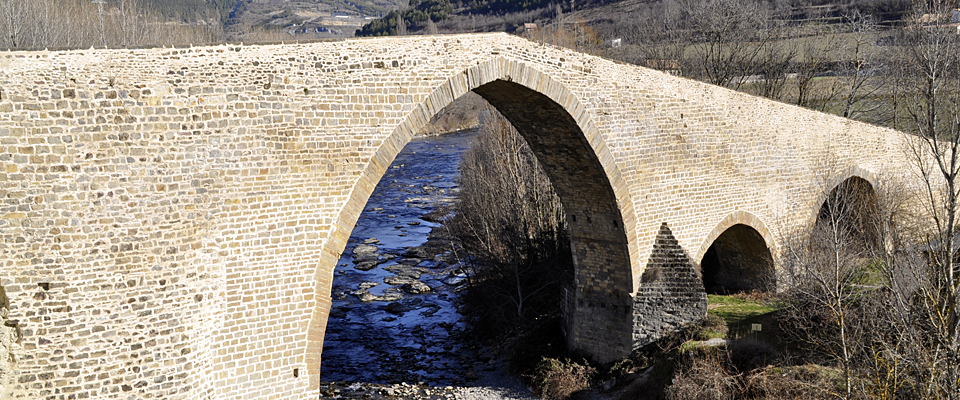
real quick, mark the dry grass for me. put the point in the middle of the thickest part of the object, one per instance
(559, 379)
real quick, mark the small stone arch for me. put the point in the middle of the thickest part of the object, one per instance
(740, 246)
(831, 184)
(852, 202)
(605, 255)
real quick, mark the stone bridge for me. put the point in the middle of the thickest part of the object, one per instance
(171, 218)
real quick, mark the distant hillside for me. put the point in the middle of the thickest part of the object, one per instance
(510, 15)
(196, 10)
(281, 20)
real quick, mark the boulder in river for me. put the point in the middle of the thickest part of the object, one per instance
(418, 252)
(391, 297)
(454, 280)
(404, 270)
(398, 280)
(410, 261)
(366, 265)
(416, 287)
(364, 249)
(365, 296)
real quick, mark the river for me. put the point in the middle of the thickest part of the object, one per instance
(384, 326)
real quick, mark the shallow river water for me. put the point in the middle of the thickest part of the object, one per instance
(385, 327)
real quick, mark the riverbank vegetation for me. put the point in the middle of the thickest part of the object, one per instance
(510, 223)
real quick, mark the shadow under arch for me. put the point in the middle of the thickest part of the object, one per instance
(737, 255)
(561, 133)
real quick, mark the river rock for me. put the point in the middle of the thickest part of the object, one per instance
(413, 273)
(417, 252)
(410, 261)
(416, 287)
(370, 241)
(398, 280)
(395, 268)
(366, 265)
(454, 280)
(365, 296)
(368, 285)
(402, 270)
(364, 249)
(391, 297)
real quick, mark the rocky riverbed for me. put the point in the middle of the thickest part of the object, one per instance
(492, 384)
(394, 330)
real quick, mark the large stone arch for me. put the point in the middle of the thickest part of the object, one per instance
(602, 231)
(745, 233)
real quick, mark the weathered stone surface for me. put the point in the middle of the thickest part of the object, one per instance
(171, 218)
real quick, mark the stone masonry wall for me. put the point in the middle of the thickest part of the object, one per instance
(170, 218)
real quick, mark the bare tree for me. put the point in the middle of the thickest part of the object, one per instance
(16, 17)
(773, 65)
(933, 52)
(729, 37)
(508, 218)
(832, 274)
(37, 24)
(864, 76)
(813, 59)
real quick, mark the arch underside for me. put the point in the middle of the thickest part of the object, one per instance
(598, 309)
